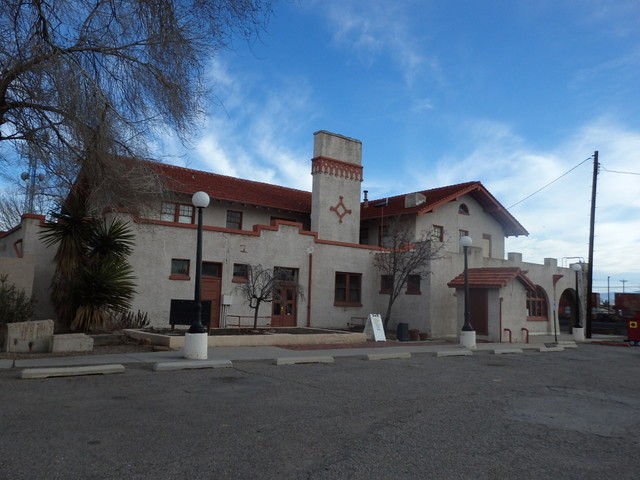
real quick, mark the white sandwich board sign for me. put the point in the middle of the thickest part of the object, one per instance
(374, 330)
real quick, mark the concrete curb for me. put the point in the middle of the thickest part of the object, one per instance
(190, 365)
(454, 353)
(504, 351)
(296, 360)
(30, 373)
(559, 348)
(6, 364)
(388, 356)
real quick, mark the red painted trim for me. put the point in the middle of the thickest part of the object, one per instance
(34, 216)
(257, 231)
(508, 330)
(176, 276)
(337, 168)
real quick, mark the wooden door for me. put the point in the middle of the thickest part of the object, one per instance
(284, 310)
(479, 310)
(211, 290)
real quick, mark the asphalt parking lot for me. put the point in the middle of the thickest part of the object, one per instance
(570, 414)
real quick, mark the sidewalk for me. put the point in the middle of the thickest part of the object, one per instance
(281, 355)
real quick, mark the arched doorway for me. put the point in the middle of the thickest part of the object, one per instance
(567, 310)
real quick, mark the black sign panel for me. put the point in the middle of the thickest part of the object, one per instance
(184, 311)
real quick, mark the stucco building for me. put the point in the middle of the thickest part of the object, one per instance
(327, 239)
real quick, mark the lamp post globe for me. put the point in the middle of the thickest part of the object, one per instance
(200, 200)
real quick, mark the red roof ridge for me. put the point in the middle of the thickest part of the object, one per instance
(457, 186)
(232, 178)
(493, 277)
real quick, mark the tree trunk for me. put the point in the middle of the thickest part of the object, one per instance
(387, 315)
(255, 316)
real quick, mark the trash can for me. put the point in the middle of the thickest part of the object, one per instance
(402, 332)
(633, 330)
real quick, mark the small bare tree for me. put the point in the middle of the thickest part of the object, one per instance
(404, 255)
(262, 287)
(84, 83)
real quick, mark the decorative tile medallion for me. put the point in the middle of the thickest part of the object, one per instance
(340, 210)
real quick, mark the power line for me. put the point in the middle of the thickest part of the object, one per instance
(551, 182)
(617, 171)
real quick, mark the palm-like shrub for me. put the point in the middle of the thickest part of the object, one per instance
(93, 278)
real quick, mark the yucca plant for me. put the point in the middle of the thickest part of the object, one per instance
(93, 279)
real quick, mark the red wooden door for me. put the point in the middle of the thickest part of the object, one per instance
(211, 290)
(479, 310)
(284, 310)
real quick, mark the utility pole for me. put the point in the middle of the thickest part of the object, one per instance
(623, 282)
(592, 223)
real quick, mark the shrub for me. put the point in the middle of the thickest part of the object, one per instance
(129, 319)
(15, 305)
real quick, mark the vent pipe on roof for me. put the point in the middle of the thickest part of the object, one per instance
(414, 200)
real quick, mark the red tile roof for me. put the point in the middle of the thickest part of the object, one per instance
(436, 197)
(232, 189)
(492, 278)
(222, 187)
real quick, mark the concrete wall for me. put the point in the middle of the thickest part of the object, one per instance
(20, 272)
(23, 243)
(477, 223)
(284, 246)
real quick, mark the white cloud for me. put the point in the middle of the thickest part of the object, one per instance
(558, 216)
(382, 29)
(253, 133)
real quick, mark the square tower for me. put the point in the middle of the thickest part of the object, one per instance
(337, 173)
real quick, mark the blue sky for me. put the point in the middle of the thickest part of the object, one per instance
(511, 93)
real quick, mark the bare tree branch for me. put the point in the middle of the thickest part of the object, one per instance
(405, 254)
(90, 81)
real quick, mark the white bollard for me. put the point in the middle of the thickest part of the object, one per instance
(196, 345)
(468, 339)
(578, 334)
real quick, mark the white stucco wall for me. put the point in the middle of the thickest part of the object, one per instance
(37, 262)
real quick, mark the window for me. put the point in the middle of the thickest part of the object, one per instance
(176, 212)
(384, 240)
(386, 283)
(179, 269)
(486, 245)
(537, 305)
(463, 209)
(463, 233)
(364, 236)
(285, 274)
(211, 269)
(413, 285)
(437, 233)
(240, 272)
(185, 213)
(348, 289)
(168, 212)
(234, 219)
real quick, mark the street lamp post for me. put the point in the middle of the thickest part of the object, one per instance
(578, 330)
(467, 335)
(196, 339)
